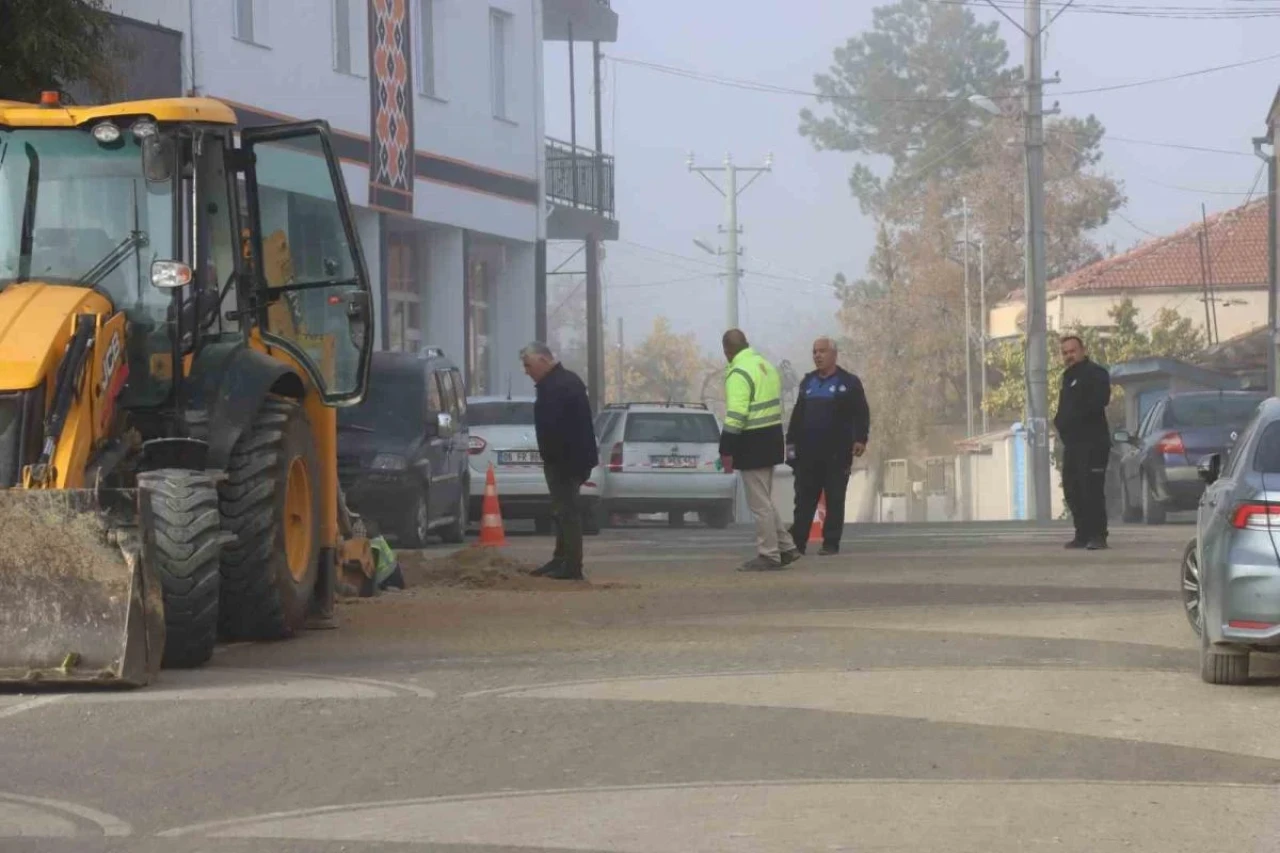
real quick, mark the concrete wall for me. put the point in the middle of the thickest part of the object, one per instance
(1239, 309)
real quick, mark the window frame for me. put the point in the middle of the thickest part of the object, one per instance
(427, 45)
(259, 31)
(499, 64)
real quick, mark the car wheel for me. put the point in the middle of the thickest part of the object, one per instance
(675, 519)
(418, 526)
(1219, 666)
(593, 519)
(1153, 512)
(718, 517)
(1189, 572)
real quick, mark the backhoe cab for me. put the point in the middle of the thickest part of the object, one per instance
(180, 312)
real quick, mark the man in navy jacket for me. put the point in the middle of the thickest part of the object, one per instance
(828, 429)
(567, 443)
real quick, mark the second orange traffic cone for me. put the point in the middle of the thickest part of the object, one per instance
(491, 531)
(819, 516)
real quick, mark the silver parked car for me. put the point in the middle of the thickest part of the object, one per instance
(664, 458)
(502, 433)
(1231, 570)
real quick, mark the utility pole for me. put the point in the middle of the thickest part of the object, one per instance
(968, 329)
(982, 326)
(1037, 334)
(731, 192)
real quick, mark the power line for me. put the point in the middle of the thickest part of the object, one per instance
(769, 88)
(1134, 11)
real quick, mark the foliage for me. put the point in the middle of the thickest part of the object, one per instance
(1170, 335)
(899, 91)
(663, 366)
(49, 44)
(893, 92)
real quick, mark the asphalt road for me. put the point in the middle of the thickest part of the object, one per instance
(930, 689)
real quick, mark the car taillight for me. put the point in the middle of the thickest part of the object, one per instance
(1256, 516)
(615, 458)
(1171, 443)
(476, 444)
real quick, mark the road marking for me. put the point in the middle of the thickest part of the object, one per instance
(23, 816)
(804, 816)
(32, 704)
(1141, 706)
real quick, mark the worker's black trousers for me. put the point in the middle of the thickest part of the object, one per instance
(1084, 486)
(813, 476)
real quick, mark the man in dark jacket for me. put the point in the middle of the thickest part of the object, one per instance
(567, 443)
(829, 426)
(1081, 423)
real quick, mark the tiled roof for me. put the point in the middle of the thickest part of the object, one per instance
(1237, 251)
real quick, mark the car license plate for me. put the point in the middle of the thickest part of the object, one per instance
(674, 461)
(519, 457)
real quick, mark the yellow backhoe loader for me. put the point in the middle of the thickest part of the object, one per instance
(182, 305)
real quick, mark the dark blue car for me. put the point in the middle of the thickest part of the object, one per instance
(1157, 466)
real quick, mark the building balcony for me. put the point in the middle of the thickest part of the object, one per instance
(579, 20)
(579, 192)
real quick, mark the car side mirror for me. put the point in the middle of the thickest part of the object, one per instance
(1122, 436)
(358, 317)
(443, 425)
(1210, 467)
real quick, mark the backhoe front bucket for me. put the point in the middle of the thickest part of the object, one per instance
(79, 602)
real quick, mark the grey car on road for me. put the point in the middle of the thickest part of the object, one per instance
(1231, 570)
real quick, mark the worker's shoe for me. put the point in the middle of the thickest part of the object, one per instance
(789, 557)
(828, 550)
(1097, 543)
(563, 572)
(761, 564)
(1074, 544)
(546, 568)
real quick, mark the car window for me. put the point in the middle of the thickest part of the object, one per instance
(434, 402)
(604, 423)
(447, 394)
(671, 426)
(1207, 410)
(456, 378)
(1233, 455)
(1267, 457)
(502, 413)
(392, 406)
(1153, 414)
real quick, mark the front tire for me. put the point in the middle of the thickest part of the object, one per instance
(270, 501)
(189, 539)
(417, 525)
(718, 517)
(1189, 574)
(1128, 512)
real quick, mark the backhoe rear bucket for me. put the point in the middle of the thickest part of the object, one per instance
(79, 603)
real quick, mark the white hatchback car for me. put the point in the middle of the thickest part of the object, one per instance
(664, 457)
(502, 433)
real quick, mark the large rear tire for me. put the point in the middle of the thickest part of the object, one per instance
(189, 540)
(271, 502)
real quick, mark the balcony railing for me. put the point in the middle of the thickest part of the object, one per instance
(572, 173)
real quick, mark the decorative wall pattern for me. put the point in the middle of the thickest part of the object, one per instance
(391, 154)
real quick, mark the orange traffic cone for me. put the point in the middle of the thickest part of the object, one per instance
(819, 516)
(491, 532)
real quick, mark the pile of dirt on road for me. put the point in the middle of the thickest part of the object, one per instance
(476, 568)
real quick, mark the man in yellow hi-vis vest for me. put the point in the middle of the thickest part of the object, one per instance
(751, 443)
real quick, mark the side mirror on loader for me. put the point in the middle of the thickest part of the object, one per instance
(358, 317)
(170, 275)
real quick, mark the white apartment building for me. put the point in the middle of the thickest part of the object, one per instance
(437, 113)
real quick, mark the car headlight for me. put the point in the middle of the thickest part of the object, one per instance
(389, 462)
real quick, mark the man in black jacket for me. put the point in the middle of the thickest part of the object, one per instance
(567, 443)
(829, 426)
(1086, 443)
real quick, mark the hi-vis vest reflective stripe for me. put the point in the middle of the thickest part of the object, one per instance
(752, 393)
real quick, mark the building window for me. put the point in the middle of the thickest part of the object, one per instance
(351, 37)
(499, 44)
(428, 50)
(250, 21)
(404, 296)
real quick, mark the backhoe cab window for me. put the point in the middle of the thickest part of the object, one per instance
(77, 211)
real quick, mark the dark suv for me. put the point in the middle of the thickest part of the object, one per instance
(402, 453)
